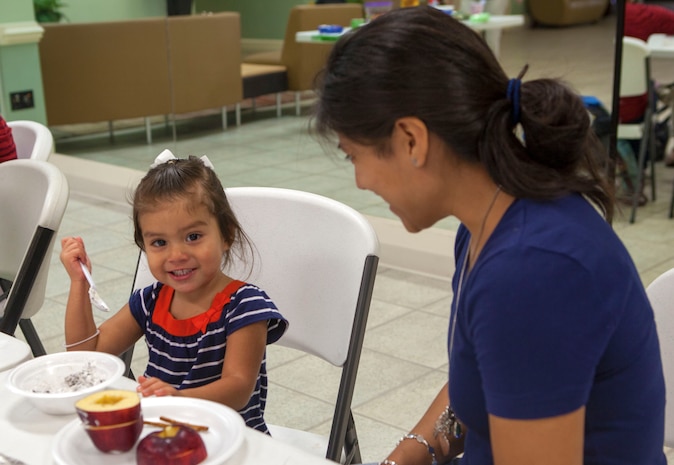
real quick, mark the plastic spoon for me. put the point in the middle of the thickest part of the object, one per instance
(93, 293)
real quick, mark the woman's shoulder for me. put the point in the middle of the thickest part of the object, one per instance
(568, 228)
(570, 218)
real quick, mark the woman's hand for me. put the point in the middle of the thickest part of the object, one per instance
(410, 451)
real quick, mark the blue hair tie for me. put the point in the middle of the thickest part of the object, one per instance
(513, 94)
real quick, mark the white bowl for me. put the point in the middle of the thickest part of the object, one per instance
(46, 381)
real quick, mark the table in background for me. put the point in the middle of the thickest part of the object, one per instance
(661, 46)
(12, 352)
(27, 434)
(495, 23)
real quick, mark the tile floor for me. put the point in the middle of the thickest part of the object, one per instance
(404, 358)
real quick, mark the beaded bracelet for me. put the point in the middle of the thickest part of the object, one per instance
(388, 462)
(420, 439)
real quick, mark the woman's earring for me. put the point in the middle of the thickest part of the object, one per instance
(414, 162)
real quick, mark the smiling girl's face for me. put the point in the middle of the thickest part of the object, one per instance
(184, 246)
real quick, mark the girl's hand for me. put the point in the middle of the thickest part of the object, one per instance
(72, 252)
(155, 387)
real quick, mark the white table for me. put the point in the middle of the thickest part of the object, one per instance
(27, 434)
(12, 352)
(661, 46)
(495, 23)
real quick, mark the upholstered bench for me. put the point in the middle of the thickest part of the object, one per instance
(263, 80)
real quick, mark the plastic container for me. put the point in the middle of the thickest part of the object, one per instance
(447, 9)
(477, 7)
(376, 9)
(330, 29)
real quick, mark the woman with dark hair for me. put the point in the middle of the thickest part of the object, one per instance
(553, 351)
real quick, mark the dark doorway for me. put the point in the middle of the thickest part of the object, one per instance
(178, 7)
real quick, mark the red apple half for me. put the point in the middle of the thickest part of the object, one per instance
(116, 438)
(110, 407)
(173, 445)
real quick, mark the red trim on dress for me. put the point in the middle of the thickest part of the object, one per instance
(198, 323)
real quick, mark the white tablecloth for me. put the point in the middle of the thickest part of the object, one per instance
(27, 434)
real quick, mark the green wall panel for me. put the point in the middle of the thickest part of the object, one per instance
(85, 11)
(260, 19)
(20, 71)
(14, 11)
(20, 64)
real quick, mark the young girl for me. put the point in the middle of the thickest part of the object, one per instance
(206, 332)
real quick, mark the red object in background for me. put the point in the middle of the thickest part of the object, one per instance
(7, 146)
(642, 20)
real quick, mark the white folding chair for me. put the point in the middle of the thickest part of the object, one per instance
(32, 139)
(661, 295)
(34, 196)
(317, 259)
(635, 80)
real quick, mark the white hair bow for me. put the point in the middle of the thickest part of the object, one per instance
(167, 155)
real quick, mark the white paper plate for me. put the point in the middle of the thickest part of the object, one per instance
(72, 445)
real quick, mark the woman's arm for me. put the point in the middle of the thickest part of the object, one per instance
(552, 441)
(412, 452)
(241, 367)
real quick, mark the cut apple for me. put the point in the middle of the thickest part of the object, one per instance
(116, 438)
(111, 407)
(173, 445)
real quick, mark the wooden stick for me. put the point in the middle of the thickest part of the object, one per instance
(156, 423)
(199, 428)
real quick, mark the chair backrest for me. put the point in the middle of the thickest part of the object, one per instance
(634, 74)
(317, 259)
(32, 139)
(305, 60)
(661, 295)
(34, 197)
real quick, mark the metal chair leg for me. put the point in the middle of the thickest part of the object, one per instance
(640, 182)
(126, 358)
(651, 155)
(351, 446)
(671, 204)
(647, 144)
(32, 338)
